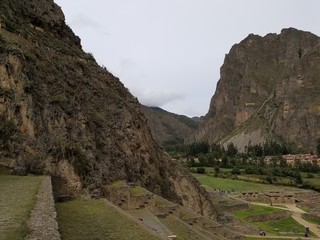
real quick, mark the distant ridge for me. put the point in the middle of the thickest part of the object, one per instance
(169, 127)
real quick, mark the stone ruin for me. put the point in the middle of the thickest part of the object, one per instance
(271, 197)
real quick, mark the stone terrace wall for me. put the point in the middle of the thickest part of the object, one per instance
(268, 216)
(42, 222)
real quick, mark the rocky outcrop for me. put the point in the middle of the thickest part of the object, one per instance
(268, 89)
(64, 115)
(167, 127)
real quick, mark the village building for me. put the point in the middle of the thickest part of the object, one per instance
(292, 159)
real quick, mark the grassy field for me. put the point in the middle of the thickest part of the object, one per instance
(17, 199)
(229, 184)
(183, 231)
(80, 219)
(312, 179)
(284, 226)
(254, 211)
(312, 220)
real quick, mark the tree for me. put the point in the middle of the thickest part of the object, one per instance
(201, 170)
(236, 171)
(298, 178)
(216, 171)
(232, 151)
(224, 162)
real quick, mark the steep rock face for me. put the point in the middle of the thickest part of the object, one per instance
(168, 127)
(61, 113)
(269, 89)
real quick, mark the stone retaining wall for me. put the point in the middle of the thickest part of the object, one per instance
(268, 216)
(42, 222)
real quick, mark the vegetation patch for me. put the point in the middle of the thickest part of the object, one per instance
(285, 226)
(17, 199)
(162, 202)
(117, 184)
(93, 219)
(255, 210)
(137, 191)
(229, 184)
(8, 136)
(311, 218)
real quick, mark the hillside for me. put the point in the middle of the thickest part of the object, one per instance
(168, 127)
(63, 115)
(269, 89)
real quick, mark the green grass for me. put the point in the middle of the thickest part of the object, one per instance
(314, 181)
(311, 219)
(81, 220)
(273, 227)
(117, 184)
(137, 190)
(255, 210)
(180, 229)
(228, 184)
(284, 225)
(162, 202)
(17, 199)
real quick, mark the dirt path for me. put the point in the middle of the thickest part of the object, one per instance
(313, 227)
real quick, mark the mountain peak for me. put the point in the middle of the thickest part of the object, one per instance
(268, 89)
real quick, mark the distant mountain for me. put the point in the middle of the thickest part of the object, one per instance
(167, 127)
(269, 89)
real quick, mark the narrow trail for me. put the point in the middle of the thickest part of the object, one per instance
(313, 227)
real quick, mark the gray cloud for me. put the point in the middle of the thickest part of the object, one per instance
(82, 20)
(169, 52)
(154, 98)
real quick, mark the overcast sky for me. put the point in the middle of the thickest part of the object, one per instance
(168, 53)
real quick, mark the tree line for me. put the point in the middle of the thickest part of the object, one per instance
(251, 161)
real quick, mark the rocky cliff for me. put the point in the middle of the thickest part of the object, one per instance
(167, 127)
(64, 115)
(269, 88)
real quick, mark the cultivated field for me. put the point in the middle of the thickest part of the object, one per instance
(236, 185)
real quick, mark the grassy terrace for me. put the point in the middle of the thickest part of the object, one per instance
(182, 230)
(282, 226)
(17, 199)
(255, 211)
(93, 219)
(236, 185)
